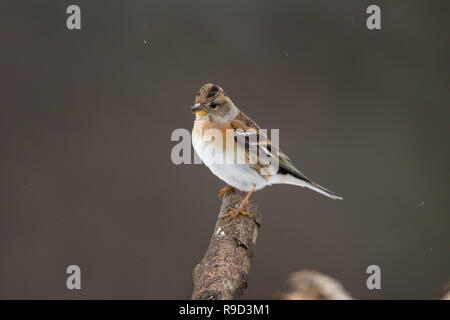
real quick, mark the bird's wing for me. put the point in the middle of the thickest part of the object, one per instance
(257, 146)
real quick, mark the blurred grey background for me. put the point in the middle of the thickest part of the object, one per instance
(86, 118)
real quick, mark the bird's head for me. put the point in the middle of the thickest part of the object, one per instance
(211, 101)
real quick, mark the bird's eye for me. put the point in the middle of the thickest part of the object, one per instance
(212, 105)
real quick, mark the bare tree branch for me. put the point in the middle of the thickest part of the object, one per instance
(223, 272)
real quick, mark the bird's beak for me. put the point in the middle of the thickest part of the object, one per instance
(198, 109)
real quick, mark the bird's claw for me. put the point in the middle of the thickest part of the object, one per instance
(234, 213)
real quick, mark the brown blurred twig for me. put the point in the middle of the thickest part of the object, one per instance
(313, 285)
(222, 274)
(445, 291)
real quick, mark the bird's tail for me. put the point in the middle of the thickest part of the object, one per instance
(289, 179)
(330, 194)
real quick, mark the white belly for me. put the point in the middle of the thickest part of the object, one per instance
(240, 176)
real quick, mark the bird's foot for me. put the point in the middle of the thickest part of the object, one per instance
(235, 212)
(239, 210)
(225, 190)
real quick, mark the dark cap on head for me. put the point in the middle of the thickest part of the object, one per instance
(208, 92)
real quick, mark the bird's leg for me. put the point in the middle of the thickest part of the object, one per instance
(239, 210)
(224, 190)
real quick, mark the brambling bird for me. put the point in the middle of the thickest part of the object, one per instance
(215, 110)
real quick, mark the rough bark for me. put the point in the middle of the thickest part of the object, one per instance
(223, 272)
